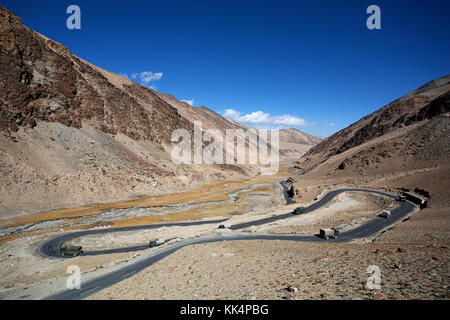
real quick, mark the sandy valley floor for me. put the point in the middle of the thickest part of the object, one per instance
(413, 256)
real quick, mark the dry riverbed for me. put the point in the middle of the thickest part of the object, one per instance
(21, 267)
(209, 271)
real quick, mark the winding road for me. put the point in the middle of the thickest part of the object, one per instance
(50, 248)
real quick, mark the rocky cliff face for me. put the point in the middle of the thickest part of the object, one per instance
(42, 81)
(73, 134)
(402, 146)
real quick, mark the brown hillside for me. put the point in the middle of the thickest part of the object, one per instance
(428, 101)
(403, 146)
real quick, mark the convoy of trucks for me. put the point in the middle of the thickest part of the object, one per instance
(75, 251)
(327, 233)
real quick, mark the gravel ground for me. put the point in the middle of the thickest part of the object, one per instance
(290, 270)
(346, 211)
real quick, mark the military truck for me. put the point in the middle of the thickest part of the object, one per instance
(299, 210)
(71, 251)
(415, 199)
(155, 243)
(385, 214)
(401, 198)
(329, 233)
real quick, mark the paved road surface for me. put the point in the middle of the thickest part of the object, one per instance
(51, 247)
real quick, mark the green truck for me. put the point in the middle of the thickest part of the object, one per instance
(71, 251)
(299, 210)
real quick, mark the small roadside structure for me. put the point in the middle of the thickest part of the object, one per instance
(225, 226)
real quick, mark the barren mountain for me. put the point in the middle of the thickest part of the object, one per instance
(292, 144)
(73, 134)
(404, 146)
(426, 102)
(208, 117)
(410, 133)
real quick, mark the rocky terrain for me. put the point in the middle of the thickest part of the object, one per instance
(426, 102)
(401, 146)
(290, 270)
(294, 142)
(73, 134)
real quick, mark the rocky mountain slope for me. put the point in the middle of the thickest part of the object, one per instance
(426, 102)
(42, 81)
(73, 134)
(294, 142)
(402, 146)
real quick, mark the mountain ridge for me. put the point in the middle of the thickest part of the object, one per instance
(73, 134)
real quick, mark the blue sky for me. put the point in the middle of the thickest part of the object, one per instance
(313, 65)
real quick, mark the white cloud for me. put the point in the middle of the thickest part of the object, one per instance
(331, 124)
(255, 117)
(232, 114)
(260, 117)
(289, 120)
(190, 102)
(145, 77)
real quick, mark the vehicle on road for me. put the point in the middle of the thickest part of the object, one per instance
(71, 251)
(385, 214)
(155, 243)
(401, 198)
(299, 210)
(414, 198)
(329, 233)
